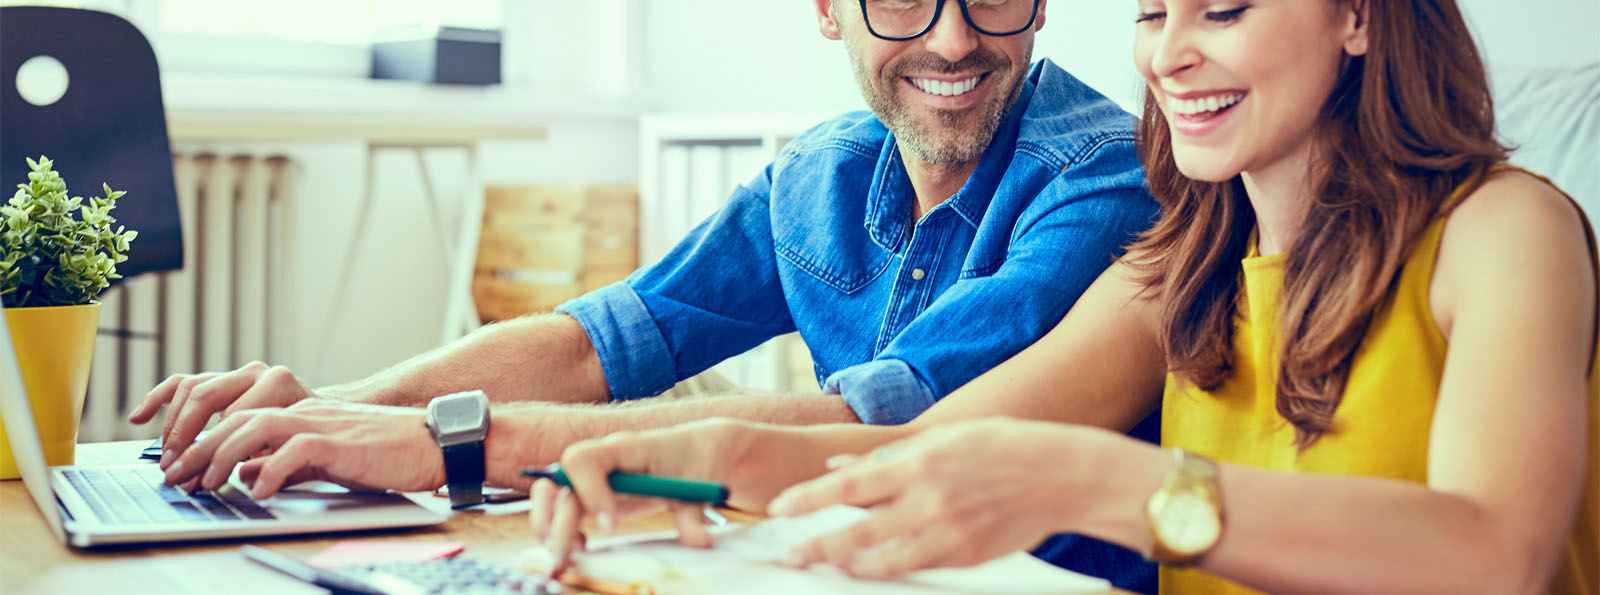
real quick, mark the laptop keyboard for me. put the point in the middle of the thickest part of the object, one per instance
(136, 497)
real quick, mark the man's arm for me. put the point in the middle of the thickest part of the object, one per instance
(544, 357)
(628, 340)
(717, 294)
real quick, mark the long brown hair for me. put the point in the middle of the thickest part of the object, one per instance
(1405, 125)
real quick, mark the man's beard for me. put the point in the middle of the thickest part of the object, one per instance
(940, 141)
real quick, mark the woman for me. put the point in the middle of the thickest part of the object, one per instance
(1377, 345)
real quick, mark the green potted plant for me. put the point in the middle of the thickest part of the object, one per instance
(56, 256)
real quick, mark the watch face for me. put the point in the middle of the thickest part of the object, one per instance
(454, 415)
(1187, 523)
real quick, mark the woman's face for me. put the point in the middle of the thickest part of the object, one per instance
(1242, 82)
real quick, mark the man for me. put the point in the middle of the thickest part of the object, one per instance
(913, 248)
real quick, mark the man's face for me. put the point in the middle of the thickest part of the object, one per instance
(943, 94)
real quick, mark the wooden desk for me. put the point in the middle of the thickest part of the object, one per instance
(32, 561)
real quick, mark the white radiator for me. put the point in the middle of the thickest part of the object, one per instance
(223, 309)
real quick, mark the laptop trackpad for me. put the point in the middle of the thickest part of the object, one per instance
(318, 498)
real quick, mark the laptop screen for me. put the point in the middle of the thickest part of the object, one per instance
(18, 415)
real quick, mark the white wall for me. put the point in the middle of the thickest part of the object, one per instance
(736, 55)
(1535, 33)
(712, 56)
(769, 55)
(727, 56)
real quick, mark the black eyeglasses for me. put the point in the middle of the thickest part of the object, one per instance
(901, 20)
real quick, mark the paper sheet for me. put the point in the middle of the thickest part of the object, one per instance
(744, 561)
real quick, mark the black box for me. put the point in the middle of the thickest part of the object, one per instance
(452, 55)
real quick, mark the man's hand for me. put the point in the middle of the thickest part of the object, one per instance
(195, 397)
(354, 445)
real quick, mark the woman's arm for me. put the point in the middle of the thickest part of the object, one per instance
(1505, 471)
(1099, 366)
(1514, 291)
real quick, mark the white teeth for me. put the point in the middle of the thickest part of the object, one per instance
(946, 88)
(1205, 105)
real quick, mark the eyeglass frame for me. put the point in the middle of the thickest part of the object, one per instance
(938, 10)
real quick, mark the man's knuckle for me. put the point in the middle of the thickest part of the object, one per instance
(278, 376)
(188, 383)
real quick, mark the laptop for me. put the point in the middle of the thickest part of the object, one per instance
(89, 506)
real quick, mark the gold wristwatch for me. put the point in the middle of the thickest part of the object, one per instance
(1185, 513)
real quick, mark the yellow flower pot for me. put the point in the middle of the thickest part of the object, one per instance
(53, 348)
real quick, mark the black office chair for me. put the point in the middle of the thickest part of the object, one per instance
(108, 127)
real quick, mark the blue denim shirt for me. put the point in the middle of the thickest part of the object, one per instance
(896, 314)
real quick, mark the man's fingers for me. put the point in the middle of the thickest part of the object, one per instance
(301, 453)
(180, 395)
(691, 522)
(864, 484)
(265, 429)
(250, 471)
(203, 400)
(195, 460)
(268, 390)
(154, 399)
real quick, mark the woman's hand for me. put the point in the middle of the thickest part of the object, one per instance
(754, 461)
(955, 495)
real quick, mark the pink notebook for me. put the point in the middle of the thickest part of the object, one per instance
(347, 553)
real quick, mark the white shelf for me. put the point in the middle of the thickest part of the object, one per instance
(259, 107)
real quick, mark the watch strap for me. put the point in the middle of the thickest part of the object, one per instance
(464, 473)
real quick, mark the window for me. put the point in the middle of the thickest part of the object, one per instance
(341, 22)
(282, 37)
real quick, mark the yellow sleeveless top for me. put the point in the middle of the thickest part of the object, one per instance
(1383, 423)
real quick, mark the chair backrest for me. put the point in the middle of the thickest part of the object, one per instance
(1552, 115)
(108, 127)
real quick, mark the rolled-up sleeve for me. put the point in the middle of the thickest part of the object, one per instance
(882, 391)
(716, 294)
(632, 351)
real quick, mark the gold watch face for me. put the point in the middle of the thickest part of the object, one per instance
(1186, 521)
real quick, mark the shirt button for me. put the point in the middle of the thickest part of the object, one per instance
(918, 274)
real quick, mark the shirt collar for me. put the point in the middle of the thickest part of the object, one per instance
(890, 196)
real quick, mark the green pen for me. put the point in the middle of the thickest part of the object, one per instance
(639, 484)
